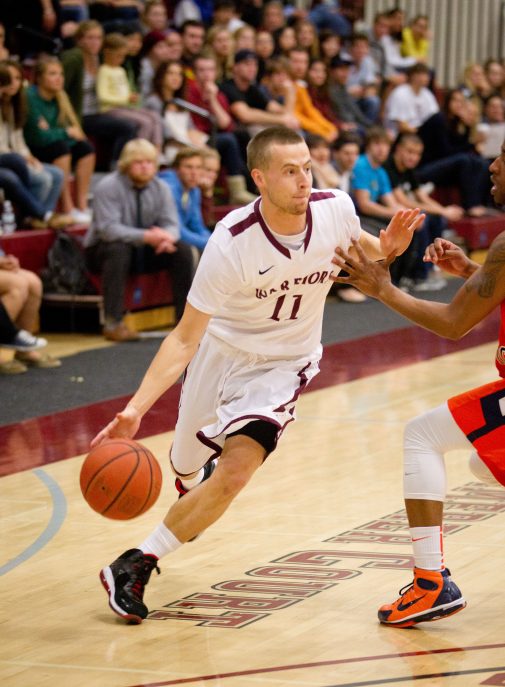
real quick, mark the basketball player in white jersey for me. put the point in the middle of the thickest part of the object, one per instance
(473, 420)
(250, 339)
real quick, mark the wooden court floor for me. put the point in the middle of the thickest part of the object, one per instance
(283, 590)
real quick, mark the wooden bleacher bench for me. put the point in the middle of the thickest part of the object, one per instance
(143, 292)
(479, 232)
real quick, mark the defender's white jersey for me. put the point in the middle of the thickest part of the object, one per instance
(263, 297)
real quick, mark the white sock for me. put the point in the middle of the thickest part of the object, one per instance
(193, 481)
(160, 542)
(428, 547)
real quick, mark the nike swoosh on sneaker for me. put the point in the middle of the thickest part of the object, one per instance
(265, 271)
(403, 607)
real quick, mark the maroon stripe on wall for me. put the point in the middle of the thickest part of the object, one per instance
(44, 440)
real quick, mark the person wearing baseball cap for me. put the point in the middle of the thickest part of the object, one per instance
(249, 106)
(344, 105)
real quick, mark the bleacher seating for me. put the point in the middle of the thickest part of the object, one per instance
(477, 232)
(151, 291)
(143, 291)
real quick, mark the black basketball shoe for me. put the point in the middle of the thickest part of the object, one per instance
(124, 581)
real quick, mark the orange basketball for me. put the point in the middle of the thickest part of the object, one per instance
(120, 479)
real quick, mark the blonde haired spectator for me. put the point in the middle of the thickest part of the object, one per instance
(115, 95)
(220, 41)
(306, 37)
(244, 38)
(135, 228)
(45, 180)
(80, 66)
(475, 84)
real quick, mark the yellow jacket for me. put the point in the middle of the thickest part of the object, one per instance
(414, 48)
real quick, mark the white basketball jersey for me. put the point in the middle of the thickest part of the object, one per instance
(263, 297)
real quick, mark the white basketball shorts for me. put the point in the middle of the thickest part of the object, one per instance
(225, 388)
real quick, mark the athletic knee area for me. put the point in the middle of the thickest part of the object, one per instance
(424, 475)
(231, 476)
(416, 434)
(481, 471)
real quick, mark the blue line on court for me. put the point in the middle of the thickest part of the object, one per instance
(57, 518)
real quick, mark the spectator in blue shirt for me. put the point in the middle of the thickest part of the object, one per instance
(373, 195)
(183, 181)
(370, 185)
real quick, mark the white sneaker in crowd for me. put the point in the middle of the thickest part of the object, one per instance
(81, 216)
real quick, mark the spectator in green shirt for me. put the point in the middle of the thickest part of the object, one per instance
(54, 135)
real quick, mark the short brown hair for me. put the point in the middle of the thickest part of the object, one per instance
(258, 148)
(376, 134)
(115, 41)
(185, 154)
(85, 26)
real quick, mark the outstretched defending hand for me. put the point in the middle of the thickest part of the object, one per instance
(124, 425)
(449, 257)
(366, 275)
(399, 232)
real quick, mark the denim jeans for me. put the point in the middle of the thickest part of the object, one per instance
(46, 185)
(15, 181)
(465, 170)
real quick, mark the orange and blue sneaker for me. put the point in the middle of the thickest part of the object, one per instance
(431, 596)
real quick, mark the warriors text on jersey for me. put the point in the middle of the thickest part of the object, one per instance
(264, 297)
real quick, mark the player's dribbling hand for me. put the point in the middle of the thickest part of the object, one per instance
(125, 425)
(448, 256)
(368, 276)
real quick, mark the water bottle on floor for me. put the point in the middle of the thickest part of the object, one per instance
(8, 218)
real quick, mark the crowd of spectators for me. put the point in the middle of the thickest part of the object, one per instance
(79, 79)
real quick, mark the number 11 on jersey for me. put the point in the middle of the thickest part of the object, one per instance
(295, 307)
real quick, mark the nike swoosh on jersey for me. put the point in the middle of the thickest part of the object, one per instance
(421, 538)
(267, 270)
(403, 607)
